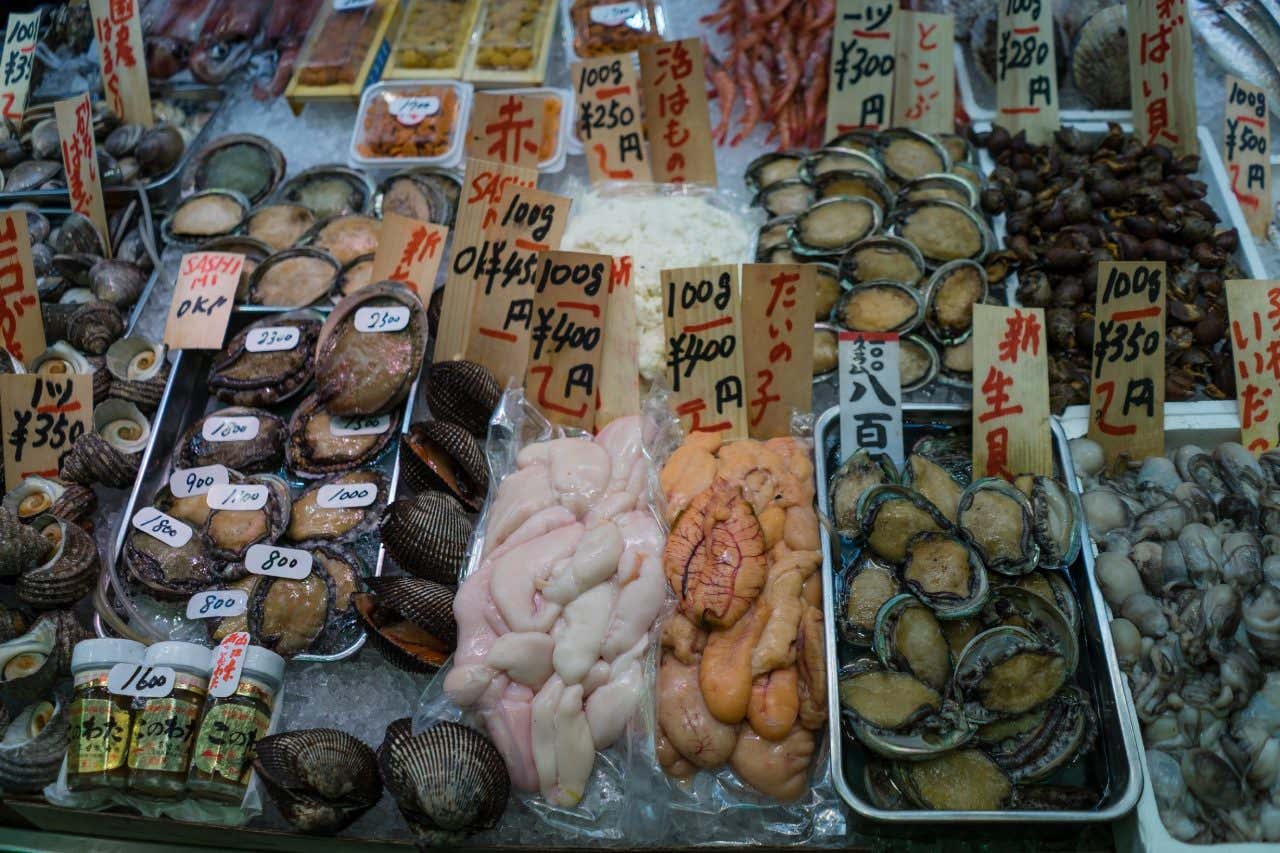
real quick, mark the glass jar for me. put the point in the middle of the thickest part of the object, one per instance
(220, 765)
(164, 728)
(100, 722)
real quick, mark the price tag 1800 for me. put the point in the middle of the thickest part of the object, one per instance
(273, 339)
(346, 495)
(389, 319)
(360, 425)
(162, 527)
(217, 428)
(131, 679)
(237, 496)
(278, 562)
(185, 482)
(217, 604)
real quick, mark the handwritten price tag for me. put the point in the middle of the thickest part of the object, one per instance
(387, 319)
(860, 89)
(924, 92)
(679, 137)
(74, 117)
(21, 323)
(346, 495)
(349, 5)
(278, 561)
(410, 251)
(608, 119)
(41, 416)
(162, 527)
(704, 352)
(17, 62)
(121, 55)
(217, 604)
(870, 395)
(202, 300)
(273, 339)
(1254, 308)
(359, 425)
(1026, 71)
(1010, 393)
(148, 682)
(1246, 133)
(1162, 85)
(615, 14)
(411, 111)
(777, 317)
(228, 664)
(185, 482)
(237, 497)
(229, 428)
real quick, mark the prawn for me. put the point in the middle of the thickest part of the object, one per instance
(750, 97)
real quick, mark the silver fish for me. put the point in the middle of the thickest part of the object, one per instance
(1243, 38)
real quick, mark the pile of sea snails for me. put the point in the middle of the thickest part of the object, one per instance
(1190, 564)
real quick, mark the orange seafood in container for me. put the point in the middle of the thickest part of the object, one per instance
(609, 27)
(339, 45)
(509, 36)
(742, 679)
(417, 122)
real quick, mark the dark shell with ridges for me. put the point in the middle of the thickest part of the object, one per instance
(93, 461)
(20, 546)
(322, 780)
(428, 536)
(445, 457)
(68, 574)
(409, 620)
(464, 393)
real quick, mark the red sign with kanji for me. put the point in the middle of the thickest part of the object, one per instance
(120, 53)
(924, 95)
(1162, 84)
(777, 318)
(1010, 393)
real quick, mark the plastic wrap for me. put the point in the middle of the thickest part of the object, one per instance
(339, 43)
(419, 124)
(434, 33)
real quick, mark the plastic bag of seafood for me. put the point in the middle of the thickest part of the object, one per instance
(557, 617)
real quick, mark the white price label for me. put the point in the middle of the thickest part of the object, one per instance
(615, 14)
(228, 663)
(870, 395)
(185, 482)
(359, 425)
(350, 5)
(343, 496)
(217, 604)
(278, 562)
(392, 318)
(218, 428)
(237, 496)
(132, 679)
(272, 339)
(411, 111)
(161, 526)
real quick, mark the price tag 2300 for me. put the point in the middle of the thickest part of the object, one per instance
(278, 562)
(389, 319)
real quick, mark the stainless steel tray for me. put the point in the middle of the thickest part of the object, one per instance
(1112, 765)
(187, 399)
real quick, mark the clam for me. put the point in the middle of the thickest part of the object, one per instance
(90, 326)
(882, 259)
(858, 183)
(438, 455)
(354, 275)
(964, 780)
(449, 781)
(939, 484)
(74, 270)
(229, 533)
(30, 663)
(880, 306)
(1006, 671)
(293, 278)
(159, 149)
(410, 620)
(944, 186)
(310, 521)
(942, 230)
(833, 225)
(211, 213)
(68, 574)
(279, 225)
(322, 780)
(139, 371)
(369, 372)
(314, 450)
(908, 154)
(789, 197)
(860, 472)
(871, 583)
(38, 225)
(33, 747)
(111, 453)
(464, 393)
(768, 169)
(1100, 59)
(20, 546)
(292, 616)
(243, 162)
(428, 535)
(260, 452)
(1055, 516)
(890, 516)
(907, 638)
(415, 196)
(953, 290)
(32, 175)
(838, 159)
(329, 191)
(998, 519)
(122, 141)
(43, 139)
(76, 235)
(243, 374)
(946, 573)
(827, 290)
(896, 715)
(345, 237)
(116, 281)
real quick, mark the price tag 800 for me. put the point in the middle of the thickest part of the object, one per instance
(162, 527)
(392, 318)
(217, 604)
(131, 679)
(237, 496)
(185, 482)
(273, 339)
(278, 562)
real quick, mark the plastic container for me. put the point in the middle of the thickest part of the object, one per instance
(432, 38)
(595, 28)
(100, 722)
(164, 727)
(385, 124)
(556, 138)
(512, 43)
(339, 42)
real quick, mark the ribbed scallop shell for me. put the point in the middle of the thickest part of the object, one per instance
(65, 577)
(29, 762)
(322, 780)
(1100, 59)
(20, 546)
(422, 602)
(464, 393)
(93, 461)
(449, 781)
(409, 620)
(445, 457)
(428, 536)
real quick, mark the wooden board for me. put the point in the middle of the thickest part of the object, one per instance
(1010, 393)
(1026, 69)
(118, 30)
(776, 318)
(705, 366)
(860, 88)
(870, 389)
(607, 119)
(17, 60)
(1254, 308)
(1162, 84)
(80, 162)
(505, 128)
(677, 117)
(21, 322)
(924, 86)
(202, 300)
(619, 376)
(1126, 395)
(1246, 133)
(41, 416)
(409, 250)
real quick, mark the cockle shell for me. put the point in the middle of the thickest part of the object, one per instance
(443, 456)
(322, 780)
(410, 620)
(428, 536)
(68, 574)
(464, 393)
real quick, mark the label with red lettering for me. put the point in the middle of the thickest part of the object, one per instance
(228, 663)
(1162, 85)
(80, 161)
(677, 118)
(1245, 135)
(619, 379)
(202, 300)
(409, 251)
(118, 28)
(506, 128)
(870, 395)
(924, 91)
(1254, 308)
(607, 119)
(21, 322)
(704, 349)
(1010, 393)
(860, 88)
(777, 318)
(41, 416)
(1026, 71)
(17, 60)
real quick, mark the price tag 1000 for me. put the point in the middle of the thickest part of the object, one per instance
(278, 562)
(346, 495)
(132, 679)
(237, 496)
(161, 526)
(185, 482)
(217, 604)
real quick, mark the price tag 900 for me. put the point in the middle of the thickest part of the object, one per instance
(218, 428)
(185, 482)
(272, 339)
(239, 496)
(217, 604)
(131, 679)
(393, 318)
(360, 425)
(346, 495)
(162, 527)
(278, 562)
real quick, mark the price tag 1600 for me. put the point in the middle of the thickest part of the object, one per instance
(344, 495)
(278, 562)
(185, 482)
(390, 319)
(217, 603)
(162, 527)
(360, 425)
(273, 339)
(237, 496)
(131, 679)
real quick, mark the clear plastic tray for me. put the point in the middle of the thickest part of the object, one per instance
(641, 22)
(386, 97)
(434, 35)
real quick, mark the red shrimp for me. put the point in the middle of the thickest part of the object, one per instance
(751, 99)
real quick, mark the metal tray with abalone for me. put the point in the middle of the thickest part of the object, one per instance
(294, 406)
(965, 650)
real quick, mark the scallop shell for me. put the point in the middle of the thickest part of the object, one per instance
(448, 781)
(464, 393)
(314, 451)
(409, 620)
(322, 780)
(68, 575)
(428, 536)
(33, 747)
(445, 457)
(1100, 59)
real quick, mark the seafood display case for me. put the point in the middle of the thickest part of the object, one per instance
(1111, 768)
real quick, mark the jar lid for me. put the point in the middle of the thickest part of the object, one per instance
(264, 664)
(108, 652)
(188, 656)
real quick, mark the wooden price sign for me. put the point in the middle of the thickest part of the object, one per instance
(704, 351)
(1126, 395)
(860, 90)
(1245, 134)
(502, 270)
(17, 59)
(80, 162)
(1026, 71)
(1010, 393)
(777, 318)
(202, 300)
(41, 416)
(482, 188)
(1254, 308)
(409, 250)
(677, 118)
(924, 87)
(871, 394)
(619, 379)
(506, 128)
(1162, 84)
(571, 297)
(608, 119)
(21, 324)
(124, 68)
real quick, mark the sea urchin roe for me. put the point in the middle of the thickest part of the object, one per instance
(413, 122)
(610, 27)
(508, 39)
(434, 33)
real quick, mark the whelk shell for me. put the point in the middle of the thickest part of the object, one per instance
(68, 574)
(33, 746)
(111, 453)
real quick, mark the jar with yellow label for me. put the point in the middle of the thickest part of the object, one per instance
(164, 728)
(220, 765)
(100, 722)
